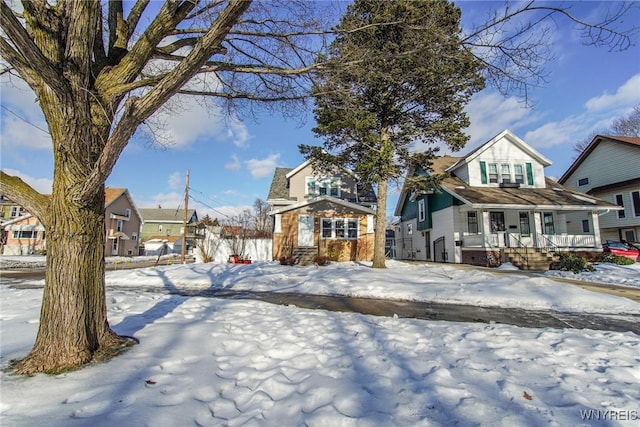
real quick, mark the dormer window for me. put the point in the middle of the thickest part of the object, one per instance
(505, 172)
(322, 187)
(513, 175)
(493, 173)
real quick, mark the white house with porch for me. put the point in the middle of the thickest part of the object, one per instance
(495, 204)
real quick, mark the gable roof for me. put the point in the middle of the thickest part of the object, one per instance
(166, 215)
(628, 140)
(112, 194)
(319, 199)
(555, 196)
(511, 137)
(438, 165)
(280, 185)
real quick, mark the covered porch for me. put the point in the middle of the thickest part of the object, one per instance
(543, 229)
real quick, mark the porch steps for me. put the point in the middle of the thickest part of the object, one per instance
(304, 255)
(533, 259)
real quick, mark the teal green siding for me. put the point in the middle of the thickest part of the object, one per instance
(529, 174)
(423, 225)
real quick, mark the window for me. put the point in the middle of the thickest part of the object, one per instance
(493, 173)
(119, 225)
(339, 228)
(127, 212)
(134, 236)
(25, 234)
(472, 222)
(16, 211)
(518, 170)
(505, 173)
(160, 227)
(114, 245)
(547, 219)
(630, 236)
(583, 181)
(635, 200)
(421, 211)
(409, 229)
(352, 228)
(525, 228)
(497, 221)
(620, 202)
(322, 187)
(585, 226)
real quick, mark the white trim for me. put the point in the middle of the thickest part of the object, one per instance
(277, 224)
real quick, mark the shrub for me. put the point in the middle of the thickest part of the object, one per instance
(572, 262)
(321, 260)
(616, 259)
(287, 260)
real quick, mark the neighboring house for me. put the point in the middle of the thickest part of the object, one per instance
(122, 221)
(24, 236)
(609, 169)
(495, 204)
(321, 214)
(160, 224)
(9, 210)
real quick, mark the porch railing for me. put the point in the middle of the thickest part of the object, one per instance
(551, 242)
(568, 240)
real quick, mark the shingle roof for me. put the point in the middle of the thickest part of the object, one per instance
(111, 194)
(554, 195)
(165, 215)
(279, 186)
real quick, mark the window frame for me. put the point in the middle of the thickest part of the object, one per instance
(619, 200)
(339, 228)
(548, 227)
(583, 181)
(635, 202)
(524, 224)
(473, 222)
(505, 167)
(22, 234)
(518, 178)
(585, 226)
(492, 173)
(422, 214)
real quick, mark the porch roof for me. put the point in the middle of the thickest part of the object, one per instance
(554, 197)
(318, 199)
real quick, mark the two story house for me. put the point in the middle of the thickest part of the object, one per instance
(495, 204)
(163, 228)
(609, 169)
(321, 214)
(122, 222)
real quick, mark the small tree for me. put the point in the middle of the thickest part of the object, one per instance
(262, 221)
(208, 245)
(236, 231)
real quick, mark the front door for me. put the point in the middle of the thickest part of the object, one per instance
(498, 228)
(305, 230)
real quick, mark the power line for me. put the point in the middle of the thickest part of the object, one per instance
(25, 120)
(210, 207)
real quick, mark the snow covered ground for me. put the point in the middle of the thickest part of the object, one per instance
(205, 361)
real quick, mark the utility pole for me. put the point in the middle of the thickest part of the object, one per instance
(183, 247)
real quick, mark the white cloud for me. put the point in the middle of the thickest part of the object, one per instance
(41, 185)
(23, 125)
(185, 120)
(172, 200)
(259, 168)
(234, 164)
(626, 95)
(490, 113)
(175, 181)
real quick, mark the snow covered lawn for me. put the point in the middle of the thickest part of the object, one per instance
(205, 361)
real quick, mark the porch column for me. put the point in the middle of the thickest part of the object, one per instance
(537, 228)
(595, 219)
(486, 229)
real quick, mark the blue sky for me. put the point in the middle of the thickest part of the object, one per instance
(231, 161)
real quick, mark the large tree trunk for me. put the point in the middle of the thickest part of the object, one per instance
(73, 318)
